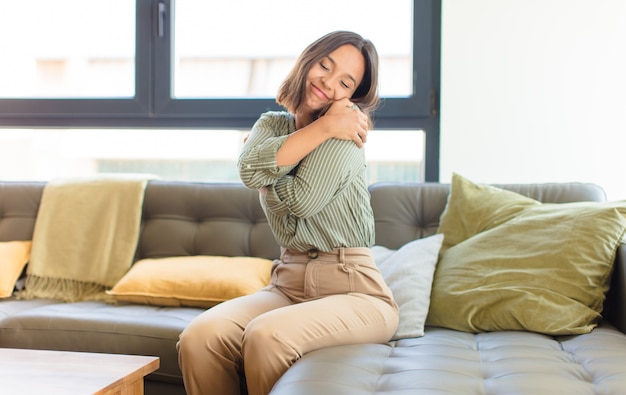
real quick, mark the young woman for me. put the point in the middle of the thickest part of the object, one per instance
(309, 166)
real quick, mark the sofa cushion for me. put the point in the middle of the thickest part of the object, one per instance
(13, 257)
(445, 361)
(19, 203)
(523, 265)
(195, 281)
(12, 305)
(409, 274)
(473, 208)
(101, 327)
(215, 219)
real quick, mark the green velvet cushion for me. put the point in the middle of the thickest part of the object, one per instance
(473, 208)
(512, 263)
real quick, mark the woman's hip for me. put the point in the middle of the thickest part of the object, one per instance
(313, 274)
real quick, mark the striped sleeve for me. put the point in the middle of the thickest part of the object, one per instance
(321, 176)
(257, 161)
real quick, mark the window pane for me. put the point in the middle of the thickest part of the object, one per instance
(395, 155)
(245, 48)
(67, 49)
(185, 155)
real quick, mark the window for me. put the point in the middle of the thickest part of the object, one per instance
(48, 59)
(256, 51)
(179, 154)
(170, 87)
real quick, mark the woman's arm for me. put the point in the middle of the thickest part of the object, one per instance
(320, 177)
(341, 121)
(257, 161)
(268, 158)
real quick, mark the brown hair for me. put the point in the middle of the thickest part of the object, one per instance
(292, 91)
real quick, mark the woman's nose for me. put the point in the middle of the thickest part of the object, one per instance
(328, 86)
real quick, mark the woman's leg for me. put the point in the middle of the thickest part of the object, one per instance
(273, 341)
(209, 349)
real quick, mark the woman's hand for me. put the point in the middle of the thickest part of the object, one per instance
(341, 122)
(347, 122)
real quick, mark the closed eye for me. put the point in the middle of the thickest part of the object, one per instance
(350, 77)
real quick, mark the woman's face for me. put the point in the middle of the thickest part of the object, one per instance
(335, 77)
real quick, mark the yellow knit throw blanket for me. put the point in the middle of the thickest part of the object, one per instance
(85, 237)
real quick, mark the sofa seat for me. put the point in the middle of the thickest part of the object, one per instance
(11, 306)
(99, 327)
(451, 362)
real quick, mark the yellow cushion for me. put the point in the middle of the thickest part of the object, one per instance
(196, 281)
(517, 264)
(13, 257)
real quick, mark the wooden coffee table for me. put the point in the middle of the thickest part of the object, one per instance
(63, 373)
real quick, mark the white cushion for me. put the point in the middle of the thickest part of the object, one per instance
(409, 272)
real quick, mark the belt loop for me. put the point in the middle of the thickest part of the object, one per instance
(341, 255)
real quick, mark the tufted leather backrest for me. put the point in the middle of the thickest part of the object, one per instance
(178, 219)
(19, 203)
(406, 211)
(183, 218)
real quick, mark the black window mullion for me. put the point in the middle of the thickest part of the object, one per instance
(162, 43)
(144, 55)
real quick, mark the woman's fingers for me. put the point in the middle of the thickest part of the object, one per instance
(363, 136)
(352, 124)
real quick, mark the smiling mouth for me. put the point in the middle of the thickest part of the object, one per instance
(318, 92)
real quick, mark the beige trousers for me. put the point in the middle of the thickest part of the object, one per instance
(315, 300)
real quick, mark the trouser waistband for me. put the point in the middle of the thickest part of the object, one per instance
(338, 254)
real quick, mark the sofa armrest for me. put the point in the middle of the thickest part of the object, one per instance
(615, 304)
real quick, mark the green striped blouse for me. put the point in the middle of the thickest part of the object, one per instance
(322, 202)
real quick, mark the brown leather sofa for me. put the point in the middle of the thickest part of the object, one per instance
(182, 219)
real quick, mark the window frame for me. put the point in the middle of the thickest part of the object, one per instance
(153, 105)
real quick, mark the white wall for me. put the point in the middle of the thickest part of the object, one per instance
(534, 91)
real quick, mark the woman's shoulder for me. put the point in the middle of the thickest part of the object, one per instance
(276, 117)
(280, 122)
